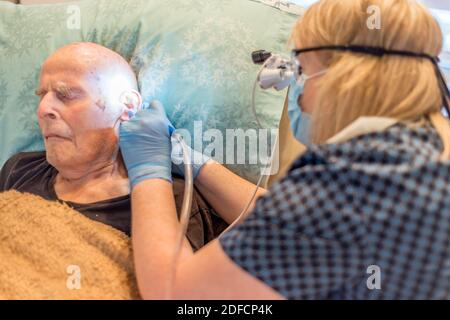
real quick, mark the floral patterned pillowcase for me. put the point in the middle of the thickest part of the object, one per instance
(193, 55)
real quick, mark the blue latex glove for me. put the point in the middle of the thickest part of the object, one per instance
(145, 145)
(197, 160)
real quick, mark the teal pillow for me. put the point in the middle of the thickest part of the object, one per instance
(193, 55)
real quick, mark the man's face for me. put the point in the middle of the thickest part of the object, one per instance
(78, 123)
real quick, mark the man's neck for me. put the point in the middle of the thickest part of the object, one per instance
(104, 181)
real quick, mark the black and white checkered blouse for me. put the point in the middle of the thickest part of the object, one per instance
(365, 219)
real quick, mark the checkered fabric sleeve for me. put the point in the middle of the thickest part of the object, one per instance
(377, 202)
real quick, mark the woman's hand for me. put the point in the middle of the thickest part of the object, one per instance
(145, 142)
(146, 147)
(197, 160)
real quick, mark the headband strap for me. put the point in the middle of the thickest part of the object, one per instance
(375, 51)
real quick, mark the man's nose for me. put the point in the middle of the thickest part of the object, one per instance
(48, 107)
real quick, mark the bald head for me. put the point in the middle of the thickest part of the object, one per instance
(86, 91)
(97, 59)
(109, 69)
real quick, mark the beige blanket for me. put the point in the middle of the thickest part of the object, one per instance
(49, 251)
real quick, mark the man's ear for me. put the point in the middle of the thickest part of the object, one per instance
(132, 103)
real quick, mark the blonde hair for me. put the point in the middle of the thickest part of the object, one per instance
(355, 85)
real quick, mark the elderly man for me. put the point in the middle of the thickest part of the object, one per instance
(86, 91)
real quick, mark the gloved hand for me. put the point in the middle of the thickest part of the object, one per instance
(197, 160)
(146, 146)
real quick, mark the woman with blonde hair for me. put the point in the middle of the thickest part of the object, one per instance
(364, 213)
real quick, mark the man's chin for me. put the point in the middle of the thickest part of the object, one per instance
(57, 157)
(53, 161)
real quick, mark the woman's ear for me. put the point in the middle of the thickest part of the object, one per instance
(132, 103)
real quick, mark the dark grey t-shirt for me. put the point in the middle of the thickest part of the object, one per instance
(30, 172)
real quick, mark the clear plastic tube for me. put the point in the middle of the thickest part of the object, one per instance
(189, 189)
(185, 211)
(261, 179)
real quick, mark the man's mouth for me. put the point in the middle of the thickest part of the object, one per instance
(55, 136)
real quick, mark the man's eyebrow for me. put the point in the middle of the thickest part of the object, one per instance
(67, 89)
(61, 88)
(39, 91)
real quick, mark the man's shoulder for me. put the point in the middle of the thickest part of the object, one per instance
(20, 163)
(25, 159)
